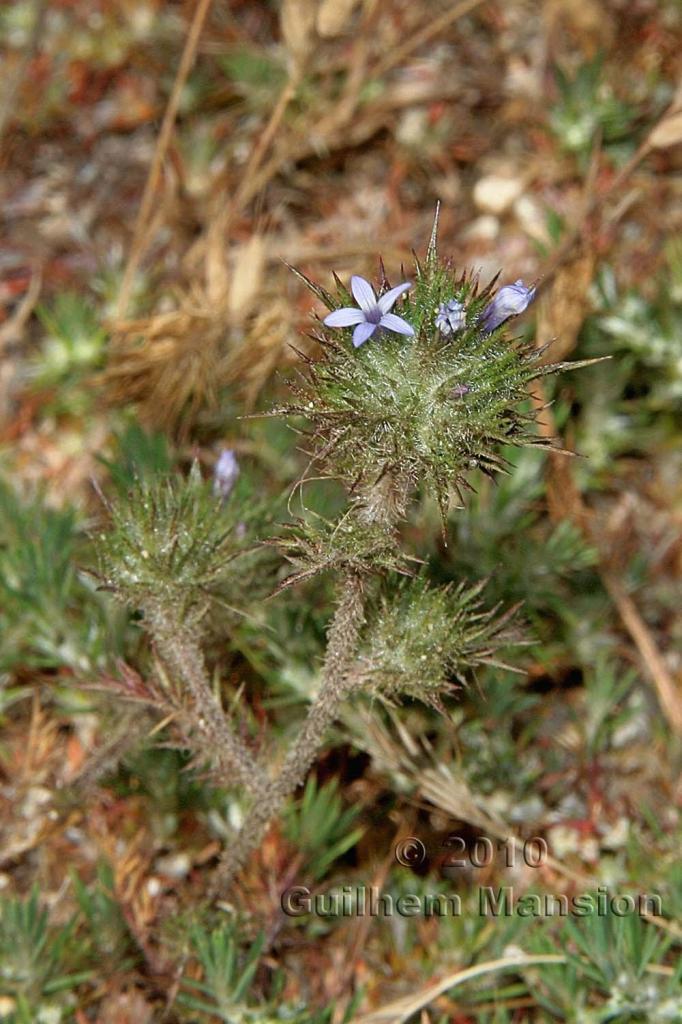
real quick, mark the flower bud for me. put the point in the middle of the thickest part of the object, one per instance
(451, 317)
(225, 473)
(511, 300)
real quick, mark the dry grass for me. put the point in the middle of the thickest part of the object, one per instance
(164, 160)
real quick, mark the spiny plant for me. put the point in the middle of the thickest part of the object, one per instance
(401, 413)
(225, 990)
(587, 105)
(49, 615)
(75, 339)
(172, 544)
(36, 959)
(226, 981)
(395, 404)
(424, 639)
(614, 972)
(320, 827)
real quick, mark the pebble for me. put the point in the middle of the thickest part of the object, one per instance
(154, 886)
(563, 840)
(486, 228)
(36, 798)
(175, 865)
(496, 194)
(531, 217)
(615, 836)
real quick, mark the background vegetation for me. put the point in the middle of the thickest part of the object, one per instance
(159, 161)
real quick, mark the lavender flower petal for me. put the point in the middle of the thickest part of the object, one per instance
(225, 473)
(387, 301)
(451, 317)
(511, 300)
(362, 332)
(391, 322)
(363, 293)
(344, 317)
(373, 312)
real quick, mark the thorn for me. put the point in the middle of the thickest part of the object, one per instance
(432, 250)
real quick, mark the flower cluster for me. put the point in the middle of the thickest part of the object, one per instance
(374, 314)
(440, 391)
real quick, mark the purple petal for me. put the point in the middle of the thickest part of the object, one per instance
(511, 300)
(363, 293)
(391, 322)
(225, 473)
(344, 317)
(362, 332)
(387, 301)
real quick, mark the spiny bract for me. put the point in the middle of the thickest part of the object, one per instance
(430, 407)
(422, 639)
(172, 540)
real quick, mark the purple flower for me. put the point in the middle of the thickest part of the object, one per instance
(509, 301)
(450, 317)
(225, 473)
(373, 313)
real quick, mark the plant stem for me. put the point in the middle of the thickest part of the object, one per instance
(178, 647)
(341, 648)
(342, 643)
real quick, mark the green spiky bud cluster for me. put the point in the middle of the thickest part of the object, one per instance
(172, 542)
(423, 639)
(430, 407)
(352, 544)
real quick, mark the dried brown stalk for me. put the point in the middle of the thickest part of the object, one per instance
(11, 91)
(402, 1009)
(430, 31)
(165, 134)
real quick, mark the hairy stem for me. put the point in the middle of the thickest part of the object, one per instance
(178, 647)
(341, 648)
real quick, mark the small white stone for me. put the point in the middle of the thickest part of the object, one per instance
(499, 802)
(563, 840)
(531, 217)
(589, 850)
(530, 809)
(412, 127)
(235, 815)
(49, 1015)
(486, 228)
(616, 836)
(176, 865)
(36, 798)
(495, 193)
(153, 886)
